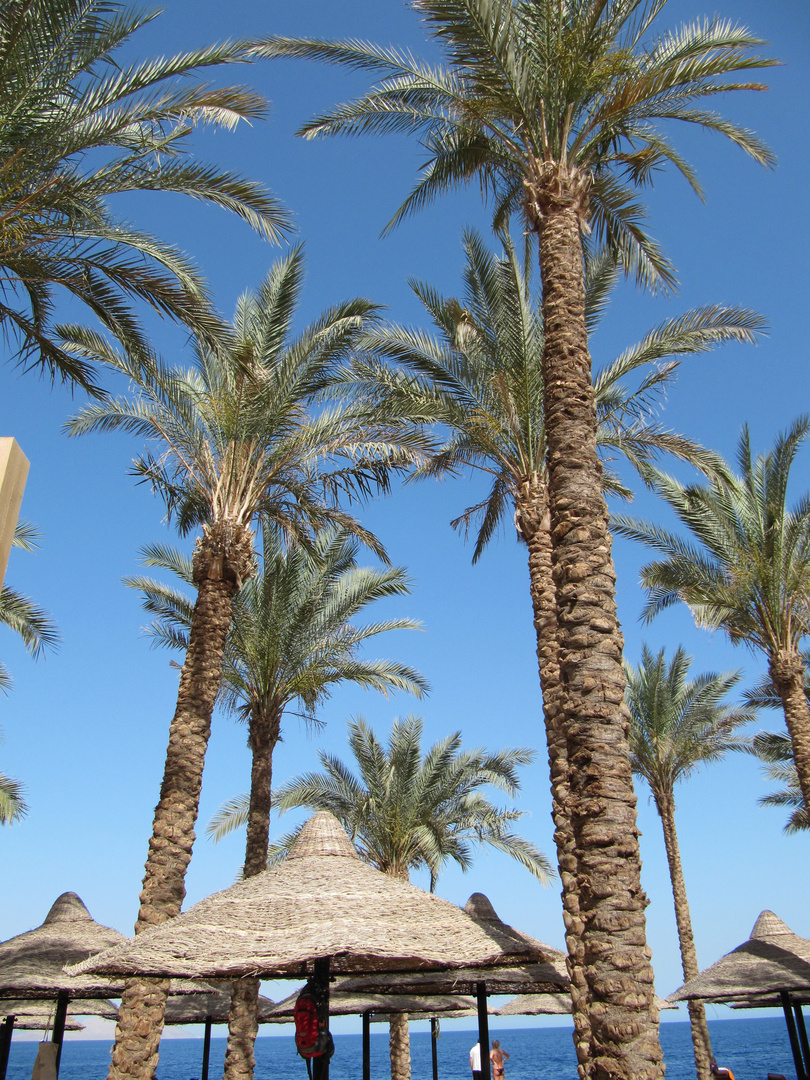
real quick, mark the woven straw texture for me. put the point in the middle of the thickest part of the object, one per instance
(773, 959)
(46, 1007)
(342, 1003)
(215, 1006)
(322, 901)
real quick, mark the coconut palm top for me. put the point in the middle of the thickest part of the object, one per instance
(773, 959)
(321, 901)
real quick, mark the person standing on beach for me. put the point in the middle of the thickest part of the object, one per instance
(475, 1061)
(497, 1057)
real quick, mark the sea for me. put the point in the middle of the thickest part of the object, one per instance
(750, 1048)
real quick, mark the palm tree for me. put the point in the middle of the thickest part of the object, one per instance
(234, 439)
(291, 640)
(562, 110)
(481, 379)
(747, 571)
(405, 811)
(676, 725)
(775, 750)
(37, 631)
(79, 126)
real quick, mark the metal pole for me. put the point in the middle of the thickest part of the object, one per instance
(483, 1030)
(206, 1048)
(6, 1029)
(794, 1038)
(434, 1039)
(320, 1065)
(797, 1012)
(366, 1046)
(59, 1024)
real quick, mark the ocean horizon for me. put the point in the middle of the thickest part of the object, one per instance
(751, 1048)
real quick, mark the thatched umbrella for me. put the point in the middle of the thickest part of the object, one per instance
(551, 1005)
(211, 1008)
(30, 1014)
(772, 962)
(322, 909)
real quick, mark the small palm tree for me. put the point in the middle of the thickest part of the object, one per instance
(79, 126)
(35, 628)
(775, 750)
(562, 111)
(676, 725)
(481, 380)
(406, 812)
(748, 570)
(291, 641)
(235, 438)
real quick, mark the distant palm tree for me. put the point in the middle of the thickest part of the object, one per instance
(405, 811)
(80, 125)
(677, 725)
(748, 572)
(481, 381)
(562, 110)
(236, 437)
(34, 627)
(291, 641)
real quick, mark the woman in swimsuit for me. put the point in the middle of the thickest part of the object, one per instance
(497, 1057)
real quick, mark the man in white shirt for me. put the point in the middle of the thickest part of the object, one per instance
(475, 1061)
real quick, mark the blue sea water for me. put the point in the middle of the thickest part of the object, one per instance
(750, 1048)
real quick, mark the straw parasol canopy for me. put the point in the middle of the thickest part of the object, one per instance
(31, 963)
(214, 1007)
(26, 1008)
(547, 975)
(321, 901)
(550, 1005)
(43, 1023)
(343, 1003)
(772, 960)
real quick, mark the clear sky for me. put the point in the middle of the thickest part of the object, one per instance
(86, 728)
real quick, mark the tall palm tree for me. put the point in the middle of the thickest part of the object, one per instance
(235, 437)
(676, 725)
(562, 109)
(405, 811)
(35, 628)
(80, 124)
(747, 569)
(481, 379)
(291, 641)
(775, 750)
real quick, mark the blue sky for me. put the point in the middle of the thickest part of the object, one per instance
(86, 728)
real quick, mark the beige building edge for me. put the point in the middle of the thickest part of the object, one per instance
(13, 474)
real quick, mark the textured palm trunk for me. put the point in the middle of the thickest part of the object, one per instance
(787, 672)
(697, 1012)
(533, 523)
(223, 558)
(623, 1019)
(399, 1046)
(243, 1019)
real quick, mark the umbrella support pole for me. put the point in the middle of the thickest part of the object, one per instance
(797, 1012)
(206, 1049)
(366, 1046)
(483, 1030)
(59, 1024)
(6, 1028)
(792, 1035)
(320, 1065)
(434, 1046)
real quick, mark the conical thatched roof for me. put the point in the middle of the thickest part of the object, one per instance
(342, 1003)
(214, 1006)
(550, 1005)
(31, 963)
(321, 901)
(773, 959)
(547, 976)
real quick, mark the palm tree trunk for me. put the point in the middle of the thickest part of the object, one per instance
(697, 1012)
(533, 524)
(622, 1013)
(787, 672)
(223, 557)
(399, 1046)
(243, 1018)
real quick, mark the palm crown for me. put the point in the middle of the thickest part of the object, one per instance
(79, 126)
(406, 811)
